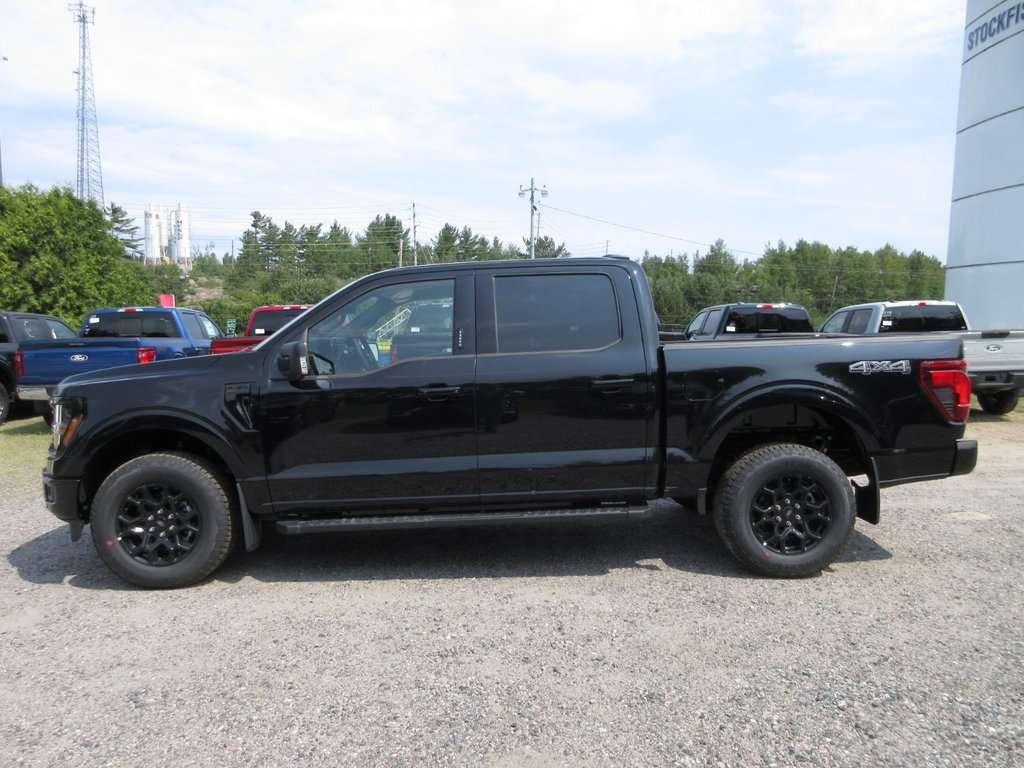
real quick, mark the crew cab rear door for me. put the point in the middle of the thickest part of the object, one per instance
(564, 399)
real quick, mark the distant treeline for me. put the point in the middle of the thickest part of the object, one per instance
(63, 256)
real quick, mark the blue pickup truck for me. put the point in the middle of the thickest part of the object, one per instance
(108, 338)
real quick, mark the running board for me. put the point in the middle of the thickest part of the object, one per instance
(451, 520)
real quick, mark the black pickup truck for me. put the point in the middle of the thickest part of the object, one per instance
(552, 398)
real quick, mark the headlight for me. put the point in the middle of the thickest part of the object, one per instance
(66, 418)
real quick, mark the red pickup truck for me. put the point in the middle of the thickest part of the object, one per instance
(262, 322)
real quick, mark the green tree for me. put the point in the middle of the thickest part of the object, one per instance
(58, 256)
(124, 229)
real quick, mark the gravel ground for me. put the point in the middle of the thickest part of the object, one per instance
(606, 645)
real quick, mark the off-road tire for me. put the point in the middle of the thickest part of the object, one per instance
(164, 520)
(784, 510)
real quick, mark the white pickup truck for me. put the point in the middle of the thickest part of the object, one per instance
(995, 359)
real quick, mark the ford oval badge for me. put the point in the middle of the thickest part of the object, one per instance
(993, 347)
(79, 358)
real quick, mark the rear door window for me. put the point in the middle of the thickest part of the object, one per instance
(555, 313)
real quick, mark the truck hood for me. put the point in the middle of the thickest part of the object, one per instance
(164, 373)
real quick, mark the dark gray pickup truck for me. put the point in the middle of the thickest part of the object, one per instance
(550, 397)
(16, 327)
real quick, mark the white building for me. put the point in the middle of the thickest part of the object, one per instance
(168, 237)
(985, 263)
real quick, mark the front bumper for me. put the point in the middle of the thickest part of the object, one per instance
(61, 496)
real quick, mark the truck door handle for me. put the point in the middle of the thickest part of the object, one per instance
(439, 393)
(610, 385)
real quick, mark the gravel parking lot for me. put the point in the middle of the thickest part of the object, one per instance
(638, 644)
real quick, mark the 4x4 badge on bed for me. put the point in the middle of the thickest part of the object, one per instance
(867, 367)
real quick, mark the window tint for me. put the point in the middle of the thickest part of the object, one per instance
(927, 317)
(859, 320)
(548, 313)
(761, 320)
(131, 324)
(713, 320)
(268, 321)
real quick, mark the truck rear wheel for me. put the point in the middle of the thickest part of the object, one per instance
(784, 510)
(163, 520)
(998, 403)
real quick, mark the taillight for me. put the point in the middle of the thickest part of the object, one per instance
(947, 385)
(19, 364)
(147, 354)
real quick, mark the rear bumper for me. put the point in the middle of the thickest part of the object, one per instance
(35, 392)
(966, 457)
(995, 380)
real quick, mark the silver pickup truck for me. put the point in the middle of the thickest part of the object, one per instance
(995, 359)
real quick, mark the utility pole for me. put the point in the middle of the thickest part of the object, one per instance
(415, 248)
(90, 172)
(533, 190)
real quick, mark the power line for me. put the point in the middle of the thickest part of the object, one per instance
(644, 231)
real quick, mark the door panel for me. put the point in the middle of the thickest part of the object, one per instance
(368, 432)
(563, 395)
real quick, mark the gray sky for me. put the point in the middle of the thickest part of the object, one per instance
(655, 125)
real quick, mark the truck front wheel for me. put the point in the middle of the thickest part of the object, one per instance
(163, 520)
(784, 510)
(999, 403)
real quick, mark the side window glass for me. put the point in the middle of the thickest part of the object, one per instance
(60, 331)
(210, 327)
(711, 324)
(192, 325)
(695, 325)
(835, 323)
(859, 321)
(552, 313)
(385, 326)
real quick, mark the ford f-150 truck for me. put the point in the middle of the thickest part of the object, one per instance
(16, 327)
(546, 394)
(263, 322)
(112, 337)
(995, 359)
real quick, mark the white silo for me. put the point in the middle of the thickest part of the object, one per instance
(180, 237)
(152, 231)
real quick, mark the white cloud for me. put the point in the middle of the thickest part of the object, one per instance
(874, 33)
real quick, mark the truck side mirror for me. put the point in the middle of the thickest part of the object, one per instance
(293, 360)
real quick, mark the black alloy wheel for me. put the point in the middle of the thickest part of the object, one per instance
(784, 510)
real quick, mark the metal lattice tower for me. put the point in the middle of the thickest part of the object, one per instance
(90, 172)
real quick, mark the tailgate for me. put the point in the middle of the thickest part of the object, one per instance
(51, 362)
(994, 351)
